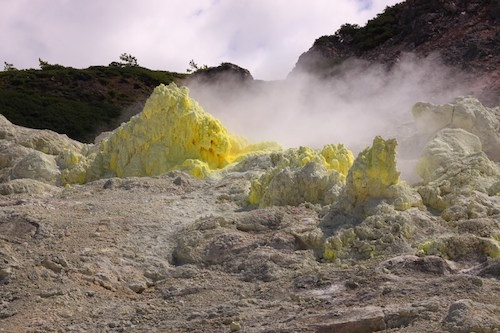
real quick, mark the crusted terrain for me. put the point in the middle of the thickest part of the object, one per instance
(333, 244)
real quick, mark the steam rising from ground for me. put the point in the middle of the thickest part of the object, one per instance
(360, 102)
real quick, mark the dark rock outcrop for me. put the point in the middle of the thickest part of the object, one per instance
(463, 34)
(224, 72)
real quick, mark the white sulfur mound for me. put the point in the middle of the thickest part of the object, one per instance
(466, 113)
(447, 146)
(459, 179)
(31, 153)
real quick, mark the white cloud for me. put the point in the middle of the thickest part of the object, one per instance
(265, 37)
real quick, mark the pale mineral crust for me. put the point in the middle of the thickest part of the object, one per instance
(266, 240)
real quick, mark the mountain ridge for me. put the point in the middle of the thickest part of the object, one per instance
(464, 35)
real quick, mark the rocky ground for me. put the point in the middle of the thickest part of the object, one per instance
(102, 257)
(173, 253)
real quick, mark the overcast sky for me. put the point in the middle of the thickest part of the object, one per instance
(264, 36)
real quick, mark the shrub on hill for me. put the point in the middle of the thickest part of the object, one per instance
(76, 102)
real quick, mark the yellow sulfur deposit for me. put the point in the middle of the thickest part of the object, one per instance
(461, 246)
(302, 174)
(172, 132)
(375, 168)
(74, 167)
(374, 175)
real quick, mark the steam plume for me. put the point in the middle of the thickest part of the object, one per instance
(361, 101)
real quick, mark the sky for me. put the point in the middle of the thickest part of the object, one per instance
(263, 36)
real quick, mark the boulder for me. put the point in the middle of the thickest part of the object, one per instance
(448, 145)
(39, 166)
(32, 187)
(466, 316)
(466, 113)
(459, 179)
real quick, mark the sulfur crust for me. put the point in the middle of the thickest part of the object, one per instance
(172, 132)
(374, 174)
(335, 159)
(375, 168)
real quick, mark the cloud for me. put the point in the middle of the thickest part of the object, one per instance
(266, 37)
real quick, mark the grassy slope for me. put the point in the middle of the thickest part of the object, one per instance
(76, 102)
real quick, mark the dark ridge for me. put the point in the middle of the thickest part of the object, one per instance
(78, 102)
(463, 34)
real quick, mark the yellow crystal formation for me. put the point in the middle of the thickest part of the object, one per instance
(302, 174)
(172, 132)
(373, 172)
(375, 168)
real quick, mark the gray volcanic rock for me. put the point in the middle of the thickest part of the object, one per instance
(458, 176)
(45, 141)
(466, 315)
(39, 166)
(30, 153)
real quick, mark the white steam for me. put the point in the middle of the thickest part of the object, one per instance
(360, 102)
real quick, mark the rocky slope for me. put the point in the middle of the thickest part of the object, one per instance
(360, 251)
(463, 34)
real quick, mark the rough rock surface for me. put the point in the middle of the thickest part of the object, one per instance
(466, 113)
(39, 166)
(174, 253)
(45, 141)
(454, 170)
(467, 316)
(31, 153)
(302, 175)
(446, 146)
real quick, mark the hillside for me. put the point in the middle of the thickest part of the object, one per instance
(78, 102)
(462, 34)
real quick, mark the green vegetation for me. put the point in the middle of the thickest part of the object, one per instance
(73, 117)
(378, 30)
(193, 67)
(78, 102)
(8, 67)
(127, 60)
